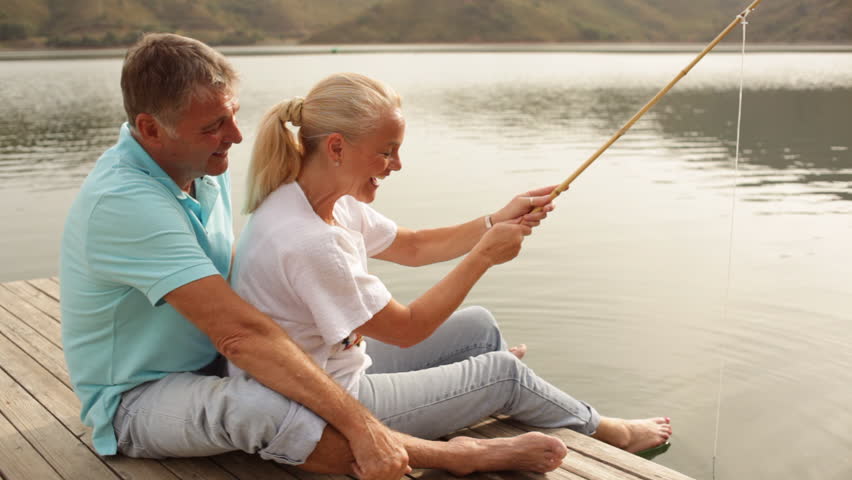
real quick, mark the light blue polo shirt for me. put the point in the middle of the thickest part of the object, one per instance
(132, 236)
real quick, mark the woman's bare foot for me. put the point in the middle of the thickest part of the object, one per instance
(531, 452)
(519, 351)
(634, 435)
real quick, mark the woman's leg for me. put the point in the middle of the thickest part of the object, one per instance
(436, 401)
(468, 332)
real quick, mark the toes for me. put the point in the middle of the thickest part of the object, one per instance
(519, 351)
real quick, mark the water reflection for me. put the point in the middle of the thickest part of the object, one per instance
(794, 142)
(789, 137)
(58, 118)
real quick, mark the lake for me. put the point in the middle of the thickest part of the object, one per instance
(654, 277)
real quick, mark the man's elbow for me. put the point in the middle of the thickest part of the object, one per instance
(234, 345)
(407, 342)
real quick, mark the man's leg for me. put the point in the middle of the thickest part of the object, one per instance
(188, 415)
(468, 332)
(460, 456)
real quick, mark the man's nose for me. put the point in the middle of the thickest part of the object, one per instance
(233, 135)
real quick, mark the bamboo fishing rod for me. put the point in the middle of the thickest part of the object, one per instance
(564, 185)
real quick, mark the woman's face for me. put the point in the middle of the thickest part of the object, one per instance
(373, 157)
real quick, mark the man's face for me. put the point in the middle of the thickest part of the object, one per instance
(198, 145)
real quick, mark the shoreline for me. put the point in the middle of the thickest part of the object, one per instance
(262, 50)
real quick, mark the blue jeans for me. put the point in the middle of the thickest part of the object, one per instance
(452, 379)
(459, 375)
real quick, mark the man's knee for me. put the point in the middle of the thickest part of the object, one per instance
(259, 420)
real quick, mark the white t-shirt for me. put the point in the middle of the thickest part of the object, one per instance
(312, 277)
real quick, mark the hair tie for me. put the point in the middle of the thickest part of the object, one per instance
(291, 111)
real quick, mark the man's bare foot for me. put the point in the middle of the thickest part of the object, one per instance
(531, 452)
(634, 435)
(519, 351)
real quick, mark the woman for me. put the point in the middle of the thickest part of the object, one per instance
(302, 259)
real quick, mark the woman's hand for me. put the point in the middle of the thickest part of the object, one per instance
(519, 208)
(502, 242)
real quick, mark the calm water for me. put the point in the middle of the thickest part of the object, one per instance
(621, 295)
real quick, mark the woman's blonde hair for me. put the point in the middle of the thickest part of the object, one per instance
(346, 103)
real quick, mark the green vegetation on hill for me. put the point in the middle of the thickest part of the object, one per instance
(416, 21)
(89, 23)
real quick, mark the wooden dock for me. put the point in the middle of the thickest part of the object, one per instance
(42, 437)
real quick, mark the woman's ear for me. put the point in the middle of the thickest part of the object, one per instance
(334, 148)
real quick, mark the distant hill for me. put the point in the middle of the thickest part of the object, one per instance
(119, 22)
(91, 23)
(463, 21)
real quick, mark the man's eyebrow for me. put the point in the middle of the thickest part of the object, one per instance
(214, 122)
(221, 118)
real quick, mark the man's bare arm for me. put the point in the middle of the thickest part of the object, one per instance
(255, 343)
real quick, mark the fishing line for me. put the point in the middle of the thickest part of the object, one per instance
(744, 22)
(564, 185)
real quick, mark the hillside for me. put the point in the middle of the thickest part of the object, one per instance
(89, 23)
(119, 22)
(404, 21)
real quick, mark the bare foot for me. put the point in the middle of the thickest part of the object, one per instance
(531, 452)
(634, 435)
(519, 351)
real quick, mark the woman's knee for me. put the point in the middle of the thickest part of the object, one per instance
(481, 326)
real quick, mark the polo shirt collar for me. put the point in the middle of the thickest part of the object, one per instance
(205, 188)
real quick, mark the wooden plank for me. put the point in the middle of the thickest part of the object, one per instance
(57, 398)
(35, 297)
(303, 475)
(42, 323)
(18, 459)
(61, 449)
(133, 468)
(196, 469)
(44, 352)
(50, 286)
(250, 467)
(47, 389)
(605, 453)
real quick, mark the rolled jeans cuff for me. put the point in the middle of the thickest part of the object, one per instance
(299, 435)
(594, 420)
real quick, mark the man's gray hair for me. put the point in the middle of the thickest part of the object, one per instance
(163, 72)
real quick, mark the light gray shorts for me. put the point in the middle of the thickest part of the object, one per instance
(191, 415)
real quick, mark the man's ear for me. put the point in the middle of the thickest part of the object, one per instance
(149, 129)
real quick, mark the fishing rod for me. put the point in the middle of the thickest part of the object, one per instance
(564, 185)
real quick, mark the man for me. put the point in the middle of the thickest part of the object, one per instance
(145, 255)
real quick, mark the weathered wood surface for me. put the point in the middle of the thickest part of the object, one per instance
(42, 437)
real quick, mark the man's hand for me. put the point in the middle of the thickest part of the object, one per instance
(379, 454)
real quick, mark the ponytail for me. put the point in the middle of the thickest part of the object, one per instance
(277, 155)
